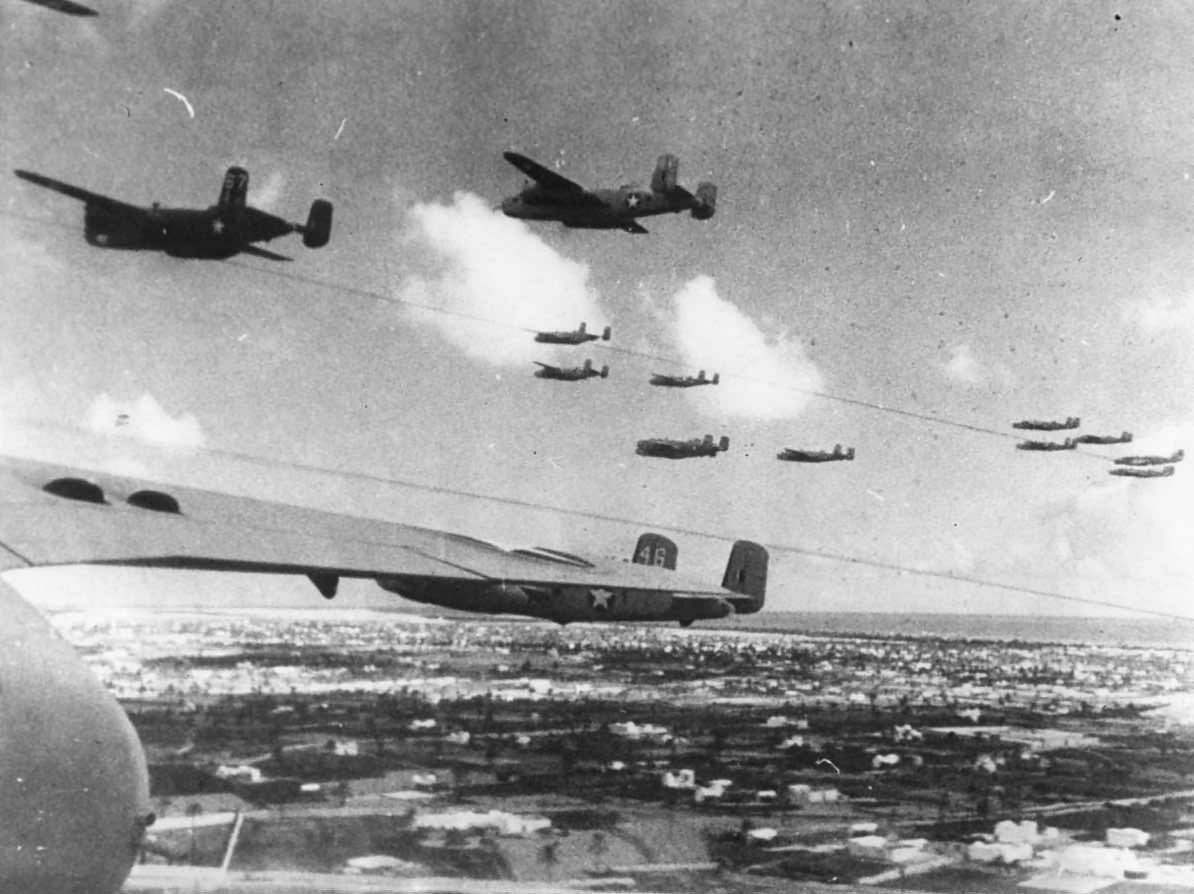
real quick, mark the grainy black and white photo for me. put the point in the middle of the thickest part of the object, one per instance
(520, 447)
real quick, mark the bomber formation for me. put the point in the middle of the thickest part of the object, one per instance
(1138, 466)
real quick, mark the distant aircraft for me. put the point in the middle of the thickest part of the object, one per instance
(66, 6)
(225, 229)
(1163, 472)
(1176, 457)
(1048, 424)
(788, 454)
(576, 336)
(684, 381)
(1068, 444)
(668, 449)
(1124, 438)
(570, 373)
(554, 197)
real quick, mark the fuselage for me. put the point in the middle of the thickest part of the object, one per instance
(565, 604)
(676, 449)
(212, 233)
(616, 207)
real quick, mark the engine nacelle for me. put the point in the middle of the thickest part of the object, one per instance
(666, 173)
(706, 196)
(506, 599)
(318, 230)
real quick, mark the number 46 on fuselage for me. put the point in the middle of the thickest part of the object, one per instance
(228, 228)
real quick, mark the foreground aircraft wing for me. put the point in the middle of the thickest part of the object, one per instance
(83, 195)
(56, 515)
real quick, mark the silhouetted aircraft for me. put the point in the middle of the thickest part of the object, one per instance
(668, 449)
(75, 785)
(789, 454)
(1163, 472)
(1124, 438)
(554, 197)
(1176, 457)
(225, 229)
(1048, 424)
(570, 373)
(1068, 444)
(66, 6)
(571, 337)
(684, 381)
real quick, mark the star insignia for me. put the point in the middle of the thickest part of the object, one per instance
(601, 599)
(217, 226)
(632, 202)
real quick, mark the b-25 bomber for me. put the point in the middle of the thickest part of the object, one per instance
(555, 197)
(1176, 457)
(1048, 424)
(230, 227)
(1068, 444)
(1122, 438)
(667, 381)
(792, 455)
(576, 336)
(570, 373)
(665, 448)
(1163, 472)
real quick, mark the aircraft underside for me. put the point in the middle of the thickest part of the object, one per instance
(562, 604)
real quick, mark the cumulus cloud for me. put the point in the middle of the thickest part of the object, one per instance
(265, 195)
(1129, 540)
(763, 377)
(1161, 313)
(143, 420)
(489, 276)
(962, 365)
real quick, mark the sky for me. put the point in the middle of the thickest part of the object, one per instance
(970, 212)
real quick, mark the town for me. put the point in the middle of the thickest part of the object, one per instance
(398, 745)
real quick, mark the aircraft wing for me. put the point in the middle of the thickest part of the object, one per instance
(83, 195)
(65, 525)
(249, 249)
(554, 183)
(66, 6)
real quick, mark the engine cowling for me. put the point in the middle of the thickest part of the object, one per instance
(507, 599)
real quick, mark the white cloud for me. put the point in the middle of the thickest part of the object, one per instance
(143, 420)
(490, 276)
(962, 365)
(265, 196)
(1128, 540)
(762, 377)
(1161, 314)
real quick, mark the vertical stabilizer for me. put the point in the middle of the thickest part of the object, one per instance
(746, 573)
(667, 171)
(235, 190)
(655, 549)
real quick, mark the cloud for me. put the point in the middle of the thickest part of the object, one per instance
(1161, 313)
(763, 377)
(1128, 540)
(963, 366)
(266, 195)
(490, 276)
(143, 420)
